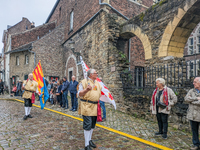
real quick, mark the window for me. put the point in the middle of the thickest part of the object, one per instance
(71, 20)
(191, 69)
(139, 76)
(26, 59)
(38, 37)
(17, 60)
(59, 12)
(191, 49)
(26, 27)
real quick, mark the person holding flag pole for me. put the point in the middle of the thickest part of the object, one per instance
(30, 86)
(90, 90)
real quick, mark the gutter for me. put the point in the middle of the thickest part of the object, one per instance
(52, 11)
(95, 16)
(113, 9)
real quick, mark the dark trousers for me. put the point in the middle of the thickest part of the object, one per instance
(1, 91)
(74, 101)
(89, 122)
(59, 99)
(27, 102)
(64, 99)
(195, 132)
(162, 122)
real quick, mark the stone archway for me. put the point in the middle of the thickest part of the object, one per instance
(131, 30)
(179, 29)
(71, 66)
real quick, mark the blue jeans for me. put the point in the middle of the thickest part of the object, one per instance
(195, 132)
(64, 99)
(74, 101)
(102, 104)
(51, 100)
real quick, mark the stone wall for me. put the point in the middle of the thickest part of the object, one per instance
(22, 69)
(97, 44)
(49, 50)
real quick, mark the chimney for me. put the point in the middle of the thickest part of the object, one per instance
(32, 25)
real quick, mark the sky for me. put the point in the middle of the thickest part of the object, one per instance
(12, 11)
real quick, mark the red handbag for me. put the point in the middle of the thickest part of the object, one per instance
(33, 98)
(99, 118)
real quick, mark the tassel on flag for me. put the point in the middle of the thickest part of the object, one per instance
(105, 93)
(42, 88)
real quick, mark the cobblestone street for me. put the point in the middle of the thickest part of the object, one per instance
(48, 130)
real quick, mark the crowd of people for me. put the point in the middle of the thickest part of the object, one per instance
(89, 91)
(58, 91)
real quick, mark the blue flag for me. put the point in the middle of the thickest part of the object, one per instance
(44, 95)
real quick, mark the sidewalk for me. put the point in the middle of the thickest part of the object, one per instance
(135, 126)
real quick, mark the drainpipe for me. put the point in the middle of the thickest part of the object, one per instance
(113, 9)
(129, 51)
(33, 53)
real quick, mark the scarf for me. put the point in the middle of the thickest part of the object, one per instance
(165, 96)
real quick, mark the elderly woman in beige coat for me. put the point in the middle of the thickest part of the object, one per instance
(193, 112)
(163, 99)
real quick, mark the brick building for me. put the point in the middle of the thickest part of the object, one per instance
(23, 25)
(87, 28)
(192, 52)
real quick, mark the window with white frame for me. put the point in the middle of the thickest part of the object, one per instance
(191, 46)
(71, 20)
(26, 59)
(17, 60)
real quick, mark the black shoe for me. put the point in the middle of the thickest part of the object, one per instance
(25, 117)
(74, 110)
(71, 109)
(88, 148)
(164, 136)
(92, 144)
(67, 108)
(30, 116)
(158, 134)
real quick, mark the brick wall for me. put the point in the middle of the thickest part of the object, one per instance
(20, 27)
(48, 49)
(83, 11)
(31, 35)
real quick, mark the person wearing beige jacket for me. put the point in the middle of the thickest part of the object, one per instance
(193, 112)
(89, 90)
(163, 99)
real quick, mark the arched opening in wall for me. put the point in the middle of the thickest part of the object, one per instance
(179, 30)
(133, 48)
(71, 68)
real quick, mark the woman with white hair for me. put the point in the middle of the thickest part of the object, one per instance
(162, 100)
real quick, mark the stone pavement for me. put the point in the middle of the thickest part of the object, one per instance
(49, 130)
(120, 121)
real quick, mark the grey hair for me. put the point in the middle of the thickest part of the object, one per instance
(73, 76)
(161, 80)
(90, 71)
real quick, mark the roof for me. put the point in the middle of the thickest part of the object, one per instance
(52, 11)
(25, 47)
